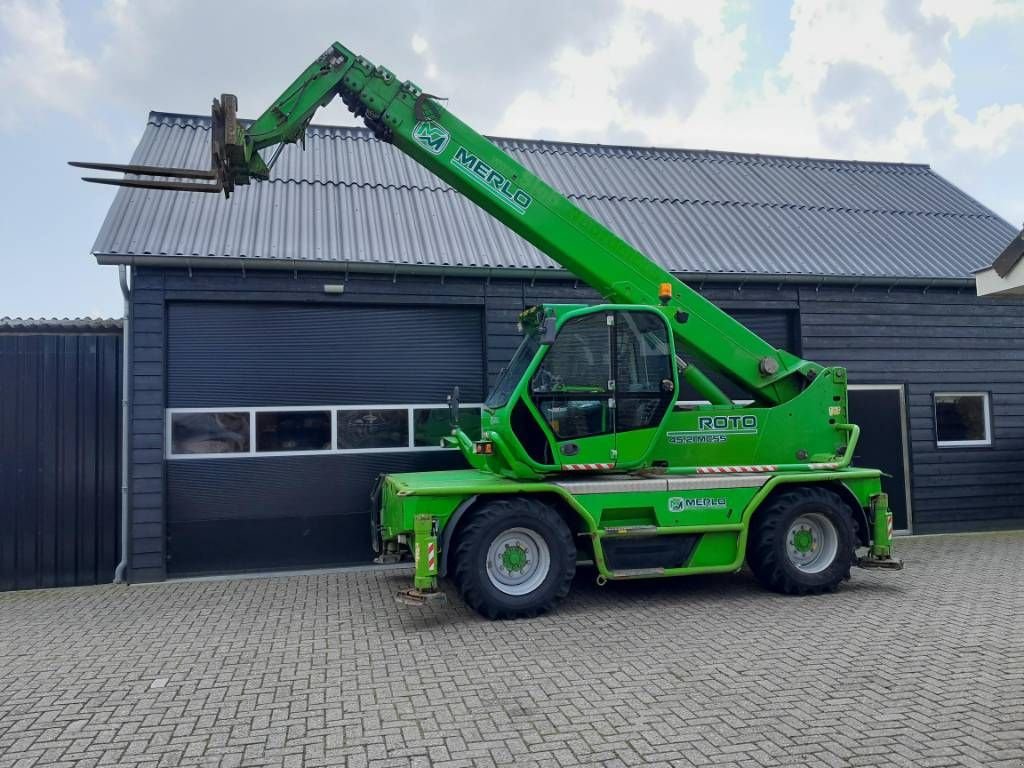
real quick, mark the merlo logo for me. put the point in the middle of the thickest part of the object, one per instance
(431, 136)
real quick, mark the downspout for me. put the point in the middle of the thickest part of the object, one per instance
(122, 275)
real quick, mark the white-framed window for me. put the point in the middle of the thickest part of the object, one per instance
(205, 433)
(214, 431)
(962, 419)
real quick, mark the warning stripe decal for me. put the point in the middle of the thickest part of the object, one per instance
(711, 470)
(759, 468)
(729, 470)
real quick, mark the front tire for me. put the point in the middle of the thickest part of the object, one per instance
(802, 542)
(514, 558)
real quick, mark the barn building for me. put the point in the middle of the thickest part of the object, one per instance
(287, 345)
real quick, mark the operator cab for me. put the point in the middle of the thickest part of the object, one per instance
(588, 388)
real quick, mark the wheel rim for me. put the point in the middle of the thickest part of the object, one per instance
(812, 542)
(518, 561)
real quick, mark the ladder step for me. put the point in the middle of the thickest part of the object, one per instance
(630, 530)
(632, 573)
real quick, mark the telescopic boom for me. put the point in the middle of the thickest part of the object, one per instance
(416, 123)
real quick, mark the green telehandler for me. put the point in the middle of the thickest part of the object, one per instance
(587, 448)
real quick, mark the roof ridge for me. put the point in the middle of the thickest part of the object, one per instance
(572, 148)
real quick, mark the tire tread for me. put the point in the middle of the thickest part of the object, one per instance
(764, 554)
(470, 581)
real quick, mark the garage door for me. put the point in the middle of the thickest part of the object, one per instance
(280, 416)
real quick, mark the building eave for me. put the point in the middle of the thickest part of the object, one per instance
(381, 268)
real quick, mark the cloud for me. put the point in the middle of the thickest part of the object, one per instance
(995, 131)
(668, 78)
(177, 56)
(965, 15)
(484, 54)
(929, 34)
(858, 104)
(871, 79)
(39, 71)
(659, 61)
(832, 31)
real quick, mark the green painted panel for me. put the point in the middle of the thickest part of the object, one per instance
(715, 550)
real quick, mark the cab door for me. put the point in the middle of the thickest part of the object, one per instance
(646, 381)
(573, 389)
(605, 386)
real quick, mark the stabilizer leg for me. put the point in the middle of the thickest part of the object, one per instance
(424, 589)
(880, 553)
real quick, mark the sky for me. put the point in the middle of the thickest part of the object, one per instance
(924, 81)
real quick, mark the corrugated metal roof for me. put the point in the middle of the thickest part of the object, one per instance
(352, 199)
(59, 325)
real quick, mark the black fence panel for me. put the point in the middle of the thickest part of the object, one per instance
(60, 458)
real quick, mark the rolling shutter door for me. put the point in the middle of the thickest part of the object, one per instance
(253, 512)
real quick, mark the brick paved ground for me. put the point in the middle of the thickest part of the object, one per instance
(923, 668)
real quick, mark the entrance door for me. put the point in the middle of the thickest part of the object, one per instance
(879, 411)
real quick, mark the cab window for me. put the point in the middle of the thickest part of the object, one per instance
(571, 386)
(644, 386)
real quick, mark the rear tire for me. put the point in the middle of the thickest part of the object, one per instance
(802, 542)
(514, 558)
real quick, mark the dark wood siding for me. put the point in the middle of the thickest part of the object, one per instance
(60, 460)
(940, 339)
(147, 358)
(931, 341)
(157, 290)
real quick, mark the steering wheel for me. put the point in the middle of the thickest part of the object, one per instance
(545, 381)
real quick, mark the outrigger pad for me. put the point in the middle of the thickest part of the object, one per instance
(882, 563)
(417, 597)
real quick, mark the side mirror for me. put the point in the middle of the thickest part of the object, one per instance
(547, 331)
(453, 407)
